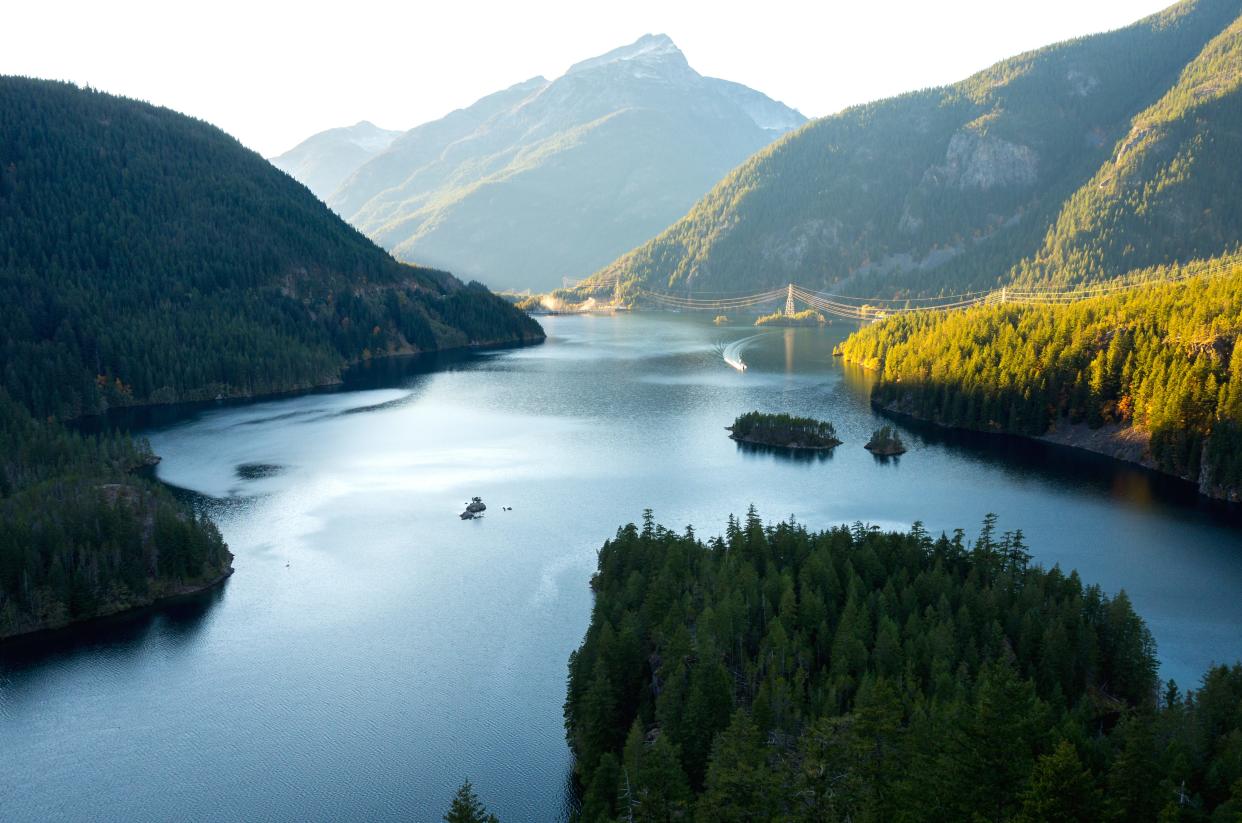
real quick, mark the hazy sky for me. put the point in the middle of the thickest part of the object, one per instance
(274, 73)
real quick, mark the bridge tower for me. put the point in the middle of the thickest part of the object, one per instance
(789, 304)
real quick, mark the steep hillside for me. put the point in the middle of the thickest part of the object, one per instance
(937, 190)
(149, 257)
(1169, 192)
(323, 161)
(547, 180)
(1151, 374)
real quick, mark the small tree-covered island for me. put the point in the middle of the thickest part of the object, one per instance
(783, 431)
(808, 317)
(779, 674)
(885, 442)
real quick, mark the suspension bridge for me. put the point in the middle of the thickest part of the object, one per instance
(875, 308)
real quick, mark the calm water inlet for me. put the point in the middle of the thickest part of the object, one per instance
(373, 650)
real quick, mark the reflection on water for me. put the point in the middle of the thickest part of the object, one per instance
(124, 636)
(1135, 489)
(373, 650)
(761, 450)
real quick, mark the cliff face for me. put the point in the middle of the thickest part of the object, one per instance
(982, 162)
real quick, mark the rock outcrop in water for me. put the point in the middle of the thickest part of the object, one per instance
(885, 442)
(474, 508)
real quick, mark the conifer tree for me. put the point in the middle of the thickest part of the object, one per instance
(466, 808)
(1061, 790)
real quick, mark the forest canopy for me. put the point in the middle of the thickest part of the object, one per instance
(150, 258)
(775, 673)
(1159, 359)
(784, 431)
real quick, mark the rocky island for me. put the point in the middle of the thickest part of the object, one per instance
(474, 509)
(783, 431)
(885, 442)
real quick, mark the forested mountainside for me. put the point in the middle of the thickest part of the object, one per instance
(949, 189)
(552, 179)
(323, 161)
(148, 257)
(1170, 190)
(774, 674)
(1154, 368)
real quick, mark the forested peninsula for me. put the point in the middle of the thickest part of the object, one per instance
(779, 674)
(82, 536)
(1149, 374)
(148, 257)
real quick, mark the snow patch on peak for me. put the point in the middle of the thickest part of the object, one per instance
(648, 50)
(369, 137)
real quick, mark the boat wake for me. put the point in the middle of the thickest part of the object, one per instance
(732, 353)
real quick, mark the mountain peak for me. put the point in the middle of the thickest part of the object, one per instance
(649, 50)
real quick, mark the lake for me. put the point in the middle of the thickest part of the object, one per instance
(373, 650)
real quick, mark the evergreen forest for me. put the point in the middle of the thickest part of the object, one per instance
(1158, 362)
(779, 674)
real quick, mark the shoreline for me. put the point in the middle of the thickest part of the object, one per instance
(1125, 445)
(750, 441)
(791, 446)
(102, 420)
(347, 376)
(178, 594)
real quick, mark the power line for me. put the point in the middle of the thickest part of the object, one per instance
(855, 308)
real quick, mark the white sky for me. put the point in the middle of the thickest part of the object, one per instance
(274, 73)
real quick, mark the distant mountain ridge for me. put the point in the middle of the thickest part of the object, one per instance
(324, 160)
(553, 178)
(1071, 163)
(423, 145)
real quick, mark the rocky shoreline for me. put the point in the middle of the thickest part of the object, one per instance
(1124, 443)
(794, 445)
